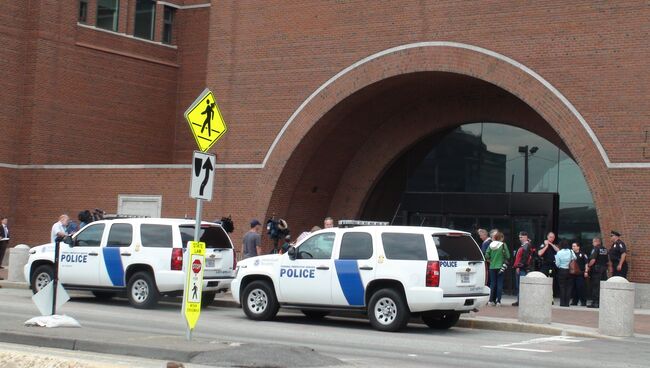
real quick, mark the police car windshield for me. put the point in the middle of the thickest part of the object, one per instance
(457, 248)
(212, 236)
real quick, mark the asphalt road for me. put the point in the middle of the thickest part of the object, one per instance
(292, 340)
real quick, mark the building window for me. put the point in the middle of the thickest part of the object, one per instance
(107, 14)
(168, 24)
(83, 11)
(145, 15)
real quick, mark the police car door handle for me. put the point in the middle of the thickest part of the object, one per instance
(368, 268)
(93, 254)
(125, 254)
(322, 268)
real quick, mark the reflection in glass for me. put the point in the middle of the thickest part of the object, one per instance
(486, 158)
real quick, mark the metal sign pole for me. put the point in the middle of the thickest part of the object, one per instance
(55, 277)
(197, 229)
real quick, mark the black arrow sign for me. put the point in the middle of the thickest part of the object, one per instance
(207, 166)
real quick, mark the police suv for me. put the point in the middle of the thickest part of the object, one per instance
(142, 257)
(388, 272)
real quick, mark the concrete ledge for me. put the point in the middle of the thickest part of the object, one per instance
(515, 326)
(13, 285)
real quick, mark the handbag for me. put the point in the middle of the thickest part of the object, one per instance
(574, 269)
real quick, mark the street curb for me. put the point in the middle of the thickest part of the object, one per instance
(103, 347)
(483, 324)
(13, 285)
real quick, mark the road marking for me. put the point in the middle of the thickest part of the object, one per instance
(515, 345)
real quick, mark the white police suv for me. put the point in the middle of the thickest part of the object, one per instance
(388, 272)
(142, 257)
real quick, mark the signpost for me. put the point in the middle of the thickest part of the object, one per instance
(207, 126)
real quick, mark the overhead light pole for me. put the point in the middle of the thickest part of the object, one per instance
(526, 151)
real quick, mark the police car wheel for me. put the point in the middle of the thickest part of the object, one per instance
(207, 299)
(42, 276)
(440, 321)
(142, 291)
(388, 311)
(314, 314)
(259, 301)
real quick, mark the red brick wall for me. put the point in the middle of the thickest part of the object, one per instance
(123, 100)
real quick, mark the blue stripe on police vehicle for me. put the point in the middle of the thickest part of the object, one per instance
(113, 262)
(349, 277)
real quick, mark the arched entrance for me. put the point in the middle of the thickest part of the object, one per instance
(341, 141)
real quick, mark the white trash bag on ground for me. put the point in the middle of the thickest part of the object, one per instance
(53, 321)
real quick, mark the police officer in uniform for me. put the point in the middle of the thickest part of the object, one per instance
(617, 255)
(597, 270)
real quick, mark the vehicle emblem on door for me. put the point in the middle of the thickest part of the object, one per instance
(468, 269)
(212, 255)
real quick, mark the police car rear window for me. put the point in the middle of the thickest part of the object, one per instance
(404, 246)
(457, 248)
(212, 236)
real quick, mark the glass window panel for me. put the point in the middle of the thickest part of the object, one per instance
(212, 236)
(317, 247)
(120, 235)
(156, 236)
(145, 15)
(356, 246)
(404, 246)
(107, 14)
(90, 236)
(83, 11)
(168, 22)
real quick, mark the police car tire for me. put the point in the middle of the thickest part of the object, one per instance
(207, 299)
(42, 269)
(314, 314)
(395, 301)
(438, 321)
(152, 291)
(263, 290)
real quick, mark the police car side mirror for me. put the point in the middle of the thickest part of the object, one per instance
(292, 253)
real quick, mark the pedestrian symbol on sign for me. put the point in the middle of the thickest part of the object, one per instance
(209, 113)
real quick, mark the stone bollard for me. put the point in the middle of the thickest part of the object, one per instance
(535, 295)
(616, 315)
(18, 257)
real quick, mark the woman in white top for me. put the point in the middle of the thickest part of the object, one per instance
(564, 278)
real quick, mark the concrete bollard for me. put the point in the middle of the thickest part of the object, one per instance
(18, 257)
(535, 295)
(616, 315)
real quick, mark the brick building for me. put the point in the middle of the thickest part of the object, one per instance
(322, 99)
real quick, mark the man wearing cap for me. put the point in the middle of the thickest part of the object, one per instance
(617, 255)
(252, 243)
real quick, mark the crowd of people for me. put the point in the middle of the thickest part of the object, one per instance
(566, 262)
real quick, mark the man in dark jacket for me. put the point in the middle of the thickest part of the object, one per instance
(522, 261)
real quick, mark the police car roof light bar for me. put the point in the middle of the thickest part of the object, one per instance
(353, 223)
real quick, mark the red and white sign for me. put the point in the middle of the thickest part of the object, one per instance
(196, 266)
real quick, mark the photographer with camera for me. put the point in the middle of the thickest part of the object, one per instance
(498, 255)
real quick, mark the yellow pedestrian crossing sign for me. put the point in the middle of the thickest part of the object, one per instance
(194, 282)
(206, 123)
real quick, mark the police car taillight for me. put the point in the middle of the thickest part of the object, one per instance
(177, 259)
(433, 274)
(234, 259)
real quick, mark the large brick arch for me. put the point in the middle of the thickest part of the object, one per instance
(325, 161)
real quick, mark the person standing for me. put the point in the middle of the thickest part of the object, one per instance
(597, 270)
(522, 262)
(547, 252)
(498, 255)
(4, 239)
(485, 238)
(618, 255)
(59, 228)
(578, 294)
(565, 280)
(252, 243)
(328, 223)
